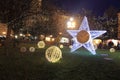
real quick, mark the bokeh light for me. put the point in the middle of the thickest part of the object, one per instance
(41, 44)
(23, 49)
(112, 50)
(32, 49)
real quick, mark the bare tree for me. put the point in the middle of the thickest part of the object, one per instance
(12, 11)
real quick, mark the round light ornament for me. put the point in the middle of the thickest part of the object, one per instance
(53, 54)
(32, 49)
(61, 46)
(41, 44)
(112, 50)
(23, 49)
(83, 36)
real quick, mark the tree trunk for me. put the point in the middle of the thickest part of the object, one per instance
(8, 40)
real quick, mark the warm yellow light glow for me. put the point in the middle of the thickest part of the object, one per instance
(97, 41)
(61, 46)
(53, 54)
(48, 39)
(21, 34)
(71, 23)
(51, 35)
(32, 49)
(71, 19)
(60, 33)
(28, 34)
(16, 36)
(41, 44)
(3, 33)
(68, 24)
(53, 39)
(112, 50)
(42, 37)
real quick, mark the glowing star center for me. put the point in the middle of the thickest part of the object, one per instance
(83, 36)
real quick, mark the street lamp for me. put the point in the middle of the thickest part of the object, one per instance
(71, 23)
(21, 34)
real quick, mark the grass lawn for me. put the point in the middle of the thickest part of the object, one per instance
(80, 65)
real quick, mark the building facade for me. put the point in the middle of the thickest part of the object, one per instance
(3, 29)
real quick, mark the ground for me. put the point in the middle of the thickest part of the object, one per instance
(79, 65)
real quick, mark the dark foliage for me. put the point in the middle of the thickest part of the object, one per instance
(13, 9)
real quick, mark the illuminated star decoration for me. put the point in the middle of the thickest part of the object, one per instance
(83, 37)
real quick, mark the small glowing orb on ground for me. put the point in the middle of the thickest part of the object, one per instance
(23, 49)
(83, 36)
(53, 54)
(61, 46)
(112, 50)
(32, 49)
(70, 46)
(41, 44)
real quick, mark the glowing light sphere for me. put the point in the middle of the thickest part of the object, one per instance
(23, 49)
(61, 46)
(112, 50)
(84, 37)
(53, 54)
(41, 44)
(32, 49)
(70, 46)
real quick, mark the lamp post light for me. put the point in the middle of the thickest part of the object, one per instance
(21, 34)
(16, 36)
(71, 23)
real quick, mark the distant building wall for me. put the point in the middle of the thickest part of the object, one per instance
(118, 25)
(3, 29)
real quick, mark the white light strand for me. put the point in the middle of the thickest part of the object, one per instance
(92, 34)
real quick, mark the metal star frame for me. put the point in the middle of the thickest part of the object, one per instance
(85, 34)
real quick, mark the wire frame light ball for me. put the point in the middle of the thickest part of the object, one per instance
(53, 54)
(32, 49)
(23, 49)
(112, 50)
(41, 44)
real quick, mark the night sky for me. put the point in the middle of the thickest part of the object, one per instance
(97, 6)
